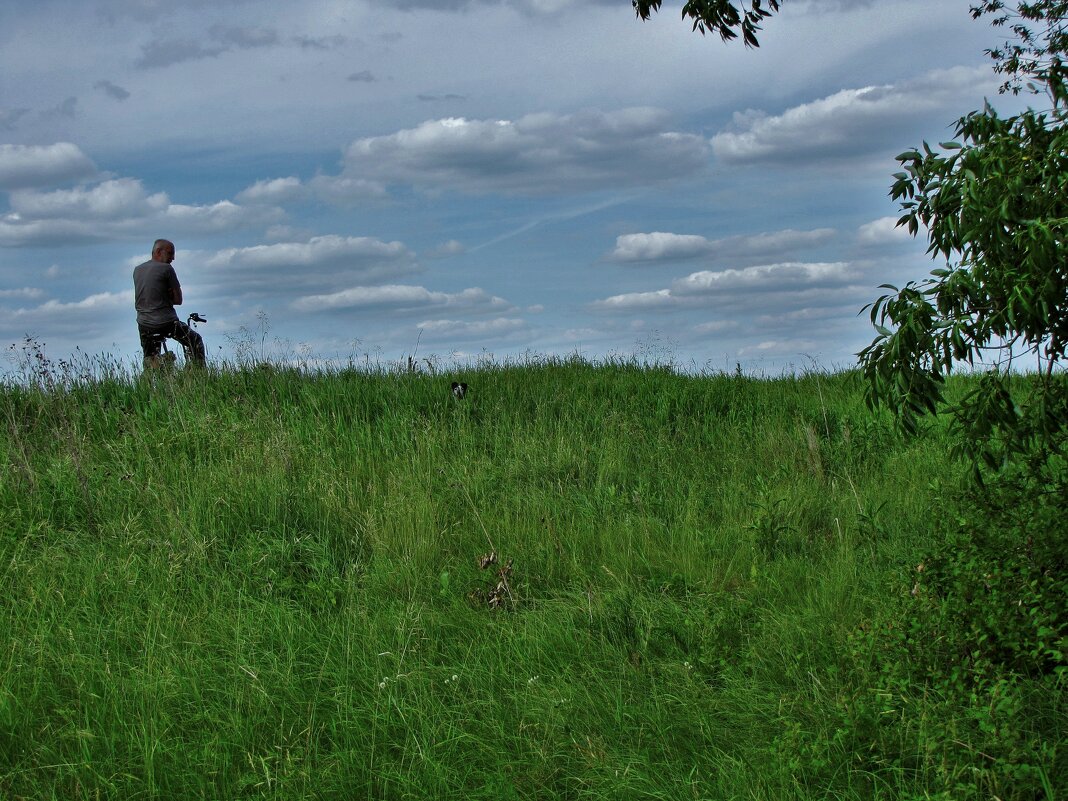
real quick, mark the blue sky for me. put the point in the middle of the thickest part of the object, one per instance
(468, 177)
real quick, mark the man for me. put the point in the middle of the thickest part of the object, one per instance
(156, 293)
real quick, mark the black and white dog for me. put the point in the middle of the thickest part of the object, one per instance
(459, 390)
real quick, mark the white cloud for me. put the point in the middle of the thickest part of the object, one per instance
(764, 278)
(660, 246)
(440, 330)
(345, 189)
(539, 153)
(321, 251)
(555, 7)
(322, 266)
(777, 347)
(532, 7)
(90, 322)
(715, 326)
(217, 217)
(102, 301)
(582, 334)
(446, 249)
(287, 233)
(780, 243)
(116, 209)
(73, 314)
(634, 301)
(42, 165)
(15, 232)
(850, 122)
(403, 298)
(732, 287)
(273, 191)
(121, 198)
(811, 314)
(25, 292)
(884, 231)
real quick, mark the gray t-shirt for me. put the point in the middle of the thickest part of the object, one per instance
(153, 282)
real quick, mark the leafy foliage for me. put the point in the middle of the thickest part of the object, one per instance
(1035, 51)
(985, 630)
(719, 16)
(995, 206)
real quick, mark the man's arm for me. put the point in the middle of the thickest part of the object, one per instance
(175, 287)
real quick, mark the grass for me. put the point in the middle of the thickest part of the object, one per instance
(264, 583)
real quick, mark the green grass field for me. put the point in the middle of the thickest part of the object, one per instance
(259, 583)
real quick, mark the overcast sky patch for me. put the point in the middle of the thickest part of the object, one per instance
(113, 91)
(9, 117)
(320, 42)
(244, 36)
(166, 53)
(641, 183)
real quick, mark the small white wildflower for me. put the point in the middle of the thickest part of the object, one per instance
(381, 685)
(455, 677)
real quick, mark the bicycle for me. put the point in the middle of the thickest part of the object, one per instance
(167, 358)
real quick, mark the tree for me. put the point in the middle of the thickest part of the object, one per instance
(995, 207)
(1034, 51)
(719, 16)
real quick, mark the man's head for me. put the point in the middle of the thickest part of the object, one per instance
(163, 250)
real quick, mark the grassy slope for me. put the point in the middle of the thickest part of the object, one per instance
(261, 584)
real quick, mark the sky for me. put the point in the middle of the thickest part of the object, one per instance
(457, 180)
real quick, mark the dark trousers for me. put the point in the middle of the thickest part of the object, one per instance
(152, 341)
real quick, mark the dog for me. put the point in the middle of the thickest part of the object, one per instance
(459, 390)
